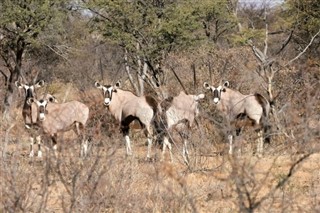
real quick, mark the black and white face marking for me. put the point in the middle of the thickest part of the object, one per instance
(216, 94)
(42, 104)
(107, 94)
(216, 91)
(107, 91)
(29, 89)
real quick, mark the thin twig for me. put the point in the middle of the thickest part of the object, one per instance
(305, 49)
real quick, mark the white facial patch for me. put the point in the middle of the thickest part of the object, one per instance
(42, 103)
(107, 101)
(198, 97)
(107, 91)
(216, 94)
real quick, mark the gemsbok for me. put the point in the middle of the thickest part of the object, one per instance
(179, 115)
(54, 118)
(237, 106)
(29, 120)
(127, 107)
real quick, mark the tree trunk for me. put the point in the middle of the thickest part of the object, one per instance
(9, 95)
(14, 75)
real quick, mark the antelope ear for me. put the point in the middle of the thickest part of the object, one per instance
(39, 84)
(52, 99)
(96, 84)
(200, 96)
(206, 85)
(118, 84)
(30, 101)
(226, 84)
(18, 84)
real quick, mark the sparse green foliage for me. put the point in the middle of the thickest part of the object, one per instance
(21, 24)
(158, 27)
(217, 18)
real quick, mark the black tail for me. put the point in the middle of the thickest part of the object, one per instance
(158, 119)
(265, 104)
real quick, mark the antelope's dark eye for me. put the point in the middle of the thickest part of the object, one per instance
(223, 90)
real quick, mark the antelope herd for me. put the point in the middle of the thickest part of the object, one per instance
(158, 119)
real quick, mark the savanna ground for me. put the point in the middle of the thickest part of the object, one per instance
(272, 51)
(107, 181)
(285, 179)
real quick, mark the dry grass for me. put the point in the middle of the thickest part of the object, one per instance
(285, 179)
(107, 181)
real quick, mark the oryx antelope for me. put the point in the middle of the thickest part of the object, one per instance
(127, 107)
(61, 117)
(179, 114)
(29, 120)
(237, 106)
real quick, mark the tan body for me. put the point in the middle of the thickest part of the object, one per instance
(238, 107)
(127, 107)
(180, 112)
(61, 117)
(125, 104)
(234, 103)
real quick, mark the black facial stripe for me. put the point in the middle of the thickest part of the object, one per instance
(107, 93)
(42, 109)
(29, 92)
(216, 93)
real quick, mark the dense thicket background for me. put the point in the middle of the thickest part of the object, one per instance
(161, 47)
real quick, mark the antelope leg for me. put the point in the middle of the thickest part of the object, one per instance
(39, 146)
(128, 145)
(185, 152)
(31, 147)
(230, 138)
(260, 144)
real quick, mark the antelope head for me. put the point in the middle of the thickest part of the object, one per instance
(42, 105)
(107, 91)
(29, 88)
(216, 91)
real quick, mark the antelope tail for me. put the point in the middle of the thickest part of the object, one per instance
(265, 104)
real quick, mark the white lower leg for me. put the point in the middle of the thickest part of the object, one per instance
(84, 149)
(260, 144)
(185, 152)
(39, 146)
(230, 138)
(166, 143)
(31, 147)
(128, 145)
(170, 151)
(164, 147)
(149, 147)
(55, 149)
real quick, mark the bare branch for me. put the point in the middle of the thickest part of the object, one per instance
(258, 53)
(284, 180)
(286, 42)
(179, 80)
(305, 49)
(56, 52)
(5, 77)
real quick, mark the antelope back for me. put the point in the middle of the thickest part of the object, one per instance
(122, 103)
(183, 107)
(60, 117)
(141, 107)
(233, 103)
